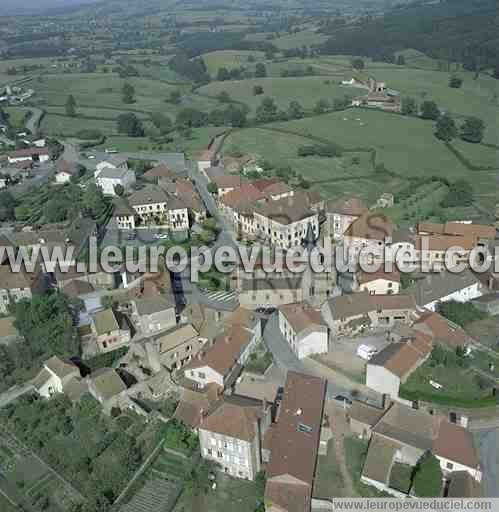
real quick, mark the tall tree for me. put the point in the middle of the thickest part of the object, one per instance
(260, 70)
(358, 64)
(446, 128)
(455, 82)
(267, 111)
(472, 130)
(130, 125)
(409, 106)
(70, 106)
(295, 110)
(428, 477)
(128, 93)
(430, 110)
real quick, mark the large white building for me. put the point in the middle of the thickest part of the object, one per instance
(303, 329)
(109, 176)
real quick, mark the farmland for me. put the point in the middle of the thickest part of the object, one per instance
(306, 90)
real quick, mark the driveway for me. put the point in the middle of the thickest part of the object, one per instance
(487, 443)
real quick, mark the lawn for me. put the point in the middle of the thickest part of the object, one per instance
(401, 477)
(230, 59)
(299, 39)
(17, 115)
(329, 482)
(260, 360)
(407, 146)
(461, 386)
(98, 90)
(231, 495)
(170, 466)
(306, 90)
(475, 97)
(69, 126)
(281, 149)
(355, 454)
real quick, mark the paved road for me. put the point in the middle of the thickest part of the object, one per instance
(285, 359)
(487, 442)
(33, 123)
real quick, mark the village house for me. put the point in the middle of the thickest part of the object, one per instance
(75, 235)
(391, 367)
(152, 315)
(222, 362)
(66, 171)
(109, 177)
(367, 231)
(379, 96)
(304, 330)
(435, 288)
(29, 155)
(284, 223)
(227, 183)
(162, 172)
(258, 289)
(443, 331)
(375, 283)
(8, 332)
(292, 444)
(15, 286)
(186, 192)
(55, 377)
(113, 162)
(111, 330)
(106, 386)
(154, 207)
(97, 279)
(341, 213)
(347, 315)
(206, 159)
(405, 435)
(231, 435)
(124, 215)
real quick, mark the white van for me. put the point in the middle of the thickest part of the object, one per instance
(366, 352)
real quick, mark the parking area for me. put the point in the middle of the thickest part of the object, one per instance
(343, 354)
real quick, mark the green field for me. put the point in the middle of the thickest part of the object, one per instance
(69, 126)
(299, 39)
(407, 146)
(474, 98)
(96, 90)
(229, 59)
(280, 149)
(306, 90)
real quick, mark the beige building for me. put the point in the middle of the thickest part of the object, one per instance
(304, 330)
(54, 377)
(111, 330)
(405, 435)
(340, 215)
(222, 362)
(15, 286)
(358, 312)
(155, 207)
(176, 348)
(285, 222)
(231, 435)
(152, 315)
(374, 283)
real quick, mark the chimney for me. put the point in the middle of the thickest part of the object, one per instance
(201, 416)
(228, 339)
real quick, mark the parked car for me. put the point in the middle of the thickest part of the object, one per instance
(161, 236)
(343, 400)
(366, 352)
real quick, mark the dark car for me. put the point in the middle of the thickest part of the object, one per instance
(344, 400)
